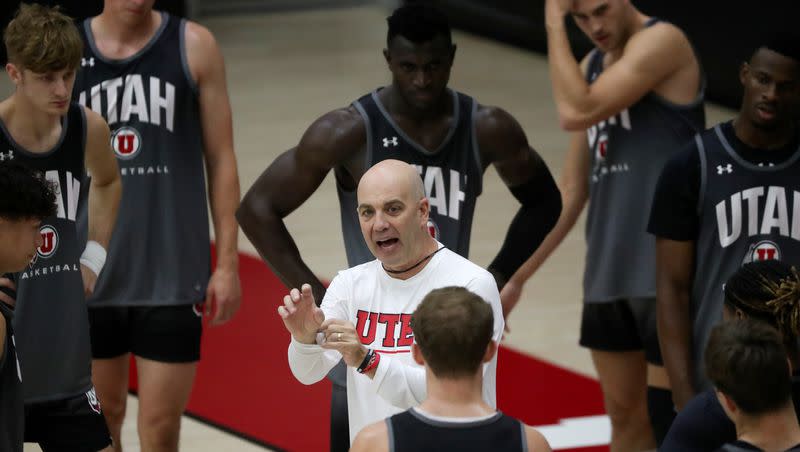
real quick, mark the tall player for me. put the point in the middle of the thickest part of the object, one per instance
(160, 83)
(42, 129)
(447, 136)
(631, 103)
(731, 197)
(26, 199)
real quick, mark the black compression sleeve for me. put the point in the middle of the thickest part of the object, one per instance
(541, 207)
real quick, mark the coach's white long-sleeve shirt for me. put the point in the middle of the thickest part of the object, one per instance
(381, 306)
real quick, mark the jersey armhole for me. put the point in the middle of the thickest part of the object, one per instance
(701, 152)
(368, 126)
(84, 131)
(390, 433)
(524, 437)
(185, 59)
(476, 149)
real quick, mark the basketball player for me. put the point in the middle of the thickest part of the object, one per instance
(729, 198)
(767, 291)
(160, 83)
(448, 136)
(746, 362)
(40, 128)
(365, 316)
(630, 103)
(453, 416)
(26, 200)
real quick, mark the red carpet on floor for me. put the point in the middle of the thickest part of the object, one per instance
(244, 383)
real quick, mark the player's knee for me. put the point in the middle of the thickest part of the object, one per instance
(626, 411)
(159, 432)
(114, 412)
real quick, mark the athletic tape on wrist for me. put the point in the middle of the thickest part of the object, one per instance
(94, 256)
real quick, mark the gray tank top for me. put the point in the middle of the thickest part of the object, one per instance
(51, 322)
(747, 212)
(628, 152)
(159, 253)
(452, 174)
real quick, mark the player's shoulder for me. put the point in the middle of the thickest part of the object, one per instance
(660, 40)
(198, 35)
(96, 125)
(374, 437)
(492, 117)
(536, 441)
(340, 129)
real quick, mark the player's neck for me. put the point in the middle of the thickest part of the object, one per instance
(772, 431)
(109, 27)
(456, 397)
(29, 126)
(760, 138)
(397, 106)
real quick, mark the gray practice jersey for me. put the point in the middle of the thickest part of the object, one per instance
(160, 251)
(628, 152)
(747, 212)
(452, 174)
(51, 322)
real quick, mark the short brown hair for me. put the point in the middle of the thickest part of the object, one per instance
(745, 360)
(42, 39)
(452, 328)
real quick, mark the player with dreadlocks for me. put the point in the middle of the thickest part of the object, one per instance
(763, 291)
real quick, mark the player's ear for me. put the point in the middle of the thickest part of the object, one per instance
(416, 354)
(744, 72)
(491, 349)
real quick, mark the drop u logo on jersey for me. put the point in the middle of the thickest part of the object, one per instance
(50, 241)
(126, 143)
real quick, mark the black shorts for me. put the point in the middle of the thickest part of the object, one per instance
(75, 424)
(620, 326)
(169, 334)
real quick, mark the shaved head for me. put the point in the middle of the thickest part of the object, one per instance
(402, 176)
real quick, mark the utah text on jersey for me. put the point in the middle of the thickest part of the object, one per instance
(138, 98)
(435, 182)
(768, 216)
(385, 330)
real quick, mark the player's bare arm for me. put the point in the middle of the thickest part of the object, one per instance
(288, 182)
(503, 144)
(208, 70)
(373, 438)
(105, 190)
(574, 186)
(536, 441)
(674, 273)
(652, 57)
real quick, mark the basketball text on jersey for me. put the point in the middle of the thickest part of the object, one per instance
(437, 191)
(395, 329)
(597, 136)
(770, 216)
(138, 98)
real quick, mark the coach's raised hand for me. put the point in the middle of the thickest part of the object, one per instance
(301, 316)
